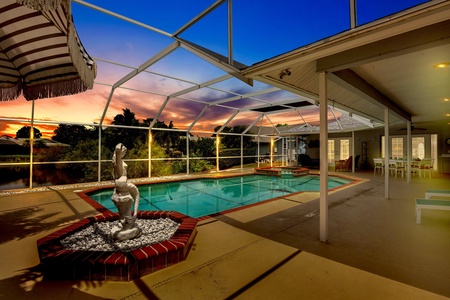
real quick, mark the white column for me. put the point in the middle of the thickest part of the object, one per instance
(386, 153)
(323, 157)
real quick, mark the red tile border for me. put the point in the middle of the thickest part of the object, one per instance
(115, 265)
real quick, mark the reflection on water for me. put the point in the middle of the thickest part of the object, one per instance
(206, 196)
(19, 177)
(16, 184)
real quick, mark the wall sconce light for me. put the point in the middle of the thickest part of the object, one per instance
(285, 72)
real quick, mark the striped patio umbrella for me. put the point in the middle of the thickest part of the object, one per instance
(41, 55)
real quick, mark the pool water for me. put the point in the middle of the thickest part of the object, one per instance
(202, 197)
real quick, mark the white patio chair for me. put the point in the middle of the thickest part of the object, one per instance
(415, 167)
(396, 167)
(378, 165)
(426, 166)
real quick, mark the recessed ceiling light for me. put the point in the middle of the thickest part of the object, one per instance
(446, 99)
(442, 64)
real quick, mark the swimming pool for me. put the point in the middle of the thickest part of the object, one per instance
(203, 197)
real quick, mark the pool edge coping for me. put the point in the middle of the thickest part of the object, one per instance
(101, 209)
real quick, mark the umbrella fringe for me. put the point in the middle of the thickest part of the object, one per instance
(10, 93)
(43, 5)
(54, 89)
(85, 65)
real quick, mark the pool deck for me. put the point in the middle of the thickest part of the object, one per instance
(269, 251)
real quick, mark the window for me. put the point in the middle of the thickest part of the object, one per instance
(397, 147)
(434, 150)
(397, 144)
(418, 147)
(344, 149)
(330, 151)
(421, 147)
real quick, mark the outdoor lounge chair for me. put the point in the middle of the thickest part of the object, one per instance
(430, 204)
(344, 165)
(437, 193)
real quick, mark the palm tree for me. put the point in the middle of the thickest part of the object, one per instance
(168, 139)
(126, 136)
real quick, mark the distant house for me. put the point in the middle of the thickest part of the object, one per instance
(12, 146)
(43, 142)
(9, 145)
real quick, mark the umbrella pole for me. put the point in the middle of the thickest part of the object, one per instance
(31, 144)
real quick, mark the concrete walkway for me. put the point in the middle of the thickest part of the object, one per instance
(268, 251)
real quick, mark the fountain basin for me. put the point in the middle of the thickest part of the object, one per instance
(60, 263)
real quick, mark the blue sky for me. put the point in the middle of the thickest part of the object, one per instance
(261, 29)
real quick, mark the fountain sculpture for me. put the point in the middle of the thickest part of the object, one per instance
(125, 193)
(65, 254)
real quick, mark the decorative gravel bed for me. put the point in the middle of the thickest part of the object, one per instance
(96, 237)
(119, 261)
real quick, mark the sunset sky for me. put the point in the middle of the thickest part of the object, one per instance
(261, 29)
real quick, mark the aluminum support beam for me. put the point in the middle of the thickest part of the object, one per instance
(353, 15)
(224, 66)
(228, 121)
(169, 49)
(108, 12)
(248, 95)
(199, 17)
(230, 32)
(197, 118)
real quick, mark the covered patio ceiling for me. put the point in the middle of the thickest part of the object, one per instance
(391, 63)
(384, 64)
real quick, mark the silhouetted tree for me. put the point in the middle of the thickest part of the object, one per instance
(204, 147)
(72, 134)
(168, 139)
(24, 132)
(127, 136)
(234, 141)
